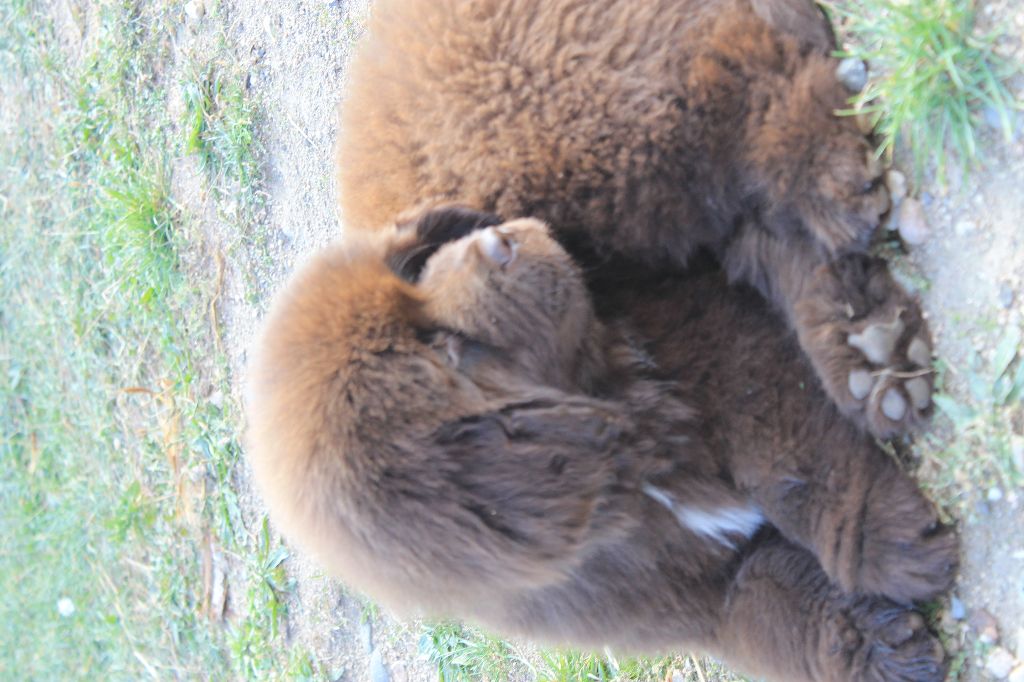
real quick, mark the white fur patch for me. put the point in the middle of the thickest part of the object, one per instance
(716, 523)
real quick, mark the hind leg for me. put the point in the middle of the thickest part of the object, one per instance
(783, 619)
(864, 335)
(829, 488)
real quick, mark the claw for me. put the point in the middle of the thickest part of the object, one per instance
(860, 383)
(878, 341)
(920, 392)
(893, 405)
(919, 354)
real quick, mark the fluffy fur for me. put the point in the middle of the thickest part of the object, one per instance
(566, 488)
(649, 129)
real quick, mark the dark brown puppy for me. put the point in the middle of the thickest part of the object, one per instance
(471, 440)
(650, 129)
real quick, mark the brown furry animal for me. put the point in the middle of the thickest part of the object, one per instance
(469, 439)
(649, 129)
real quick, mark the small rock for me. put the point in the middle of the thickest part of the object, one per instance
(1016, 675)
(994, 494)
(913, 224)
(1017, 454)
(985, 625)
(677, 676)
(1005, 295)
(999, 663)
(65, 607)
(853, 74)
(379, 672)
(995, 121)
(956, 608)
(965, 227)
(896, 182)
(195, 10)
(366, 635)
(981, 508)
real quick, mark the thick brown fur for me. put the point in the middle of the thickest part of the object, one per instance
(560, 488)
(649, 129)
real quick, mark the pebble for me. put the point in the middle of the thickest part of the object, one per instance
(195, 10)
(956, 608)
(1005, 295)
(999, 663)
(65, 607)
(1017, 674)
(853, 74)
(913, 224)
(994, 494)
(366, 635)
(378, 671)
(965, 227)
(985, 625)
(896, 182)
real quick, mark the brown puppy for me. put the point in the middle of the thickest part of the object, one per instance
(469, 439)
(651, 129)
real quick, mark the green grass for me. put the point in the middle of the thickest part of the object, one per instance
(219, 123)
(117, 464)
(466, 654)
(933, 73)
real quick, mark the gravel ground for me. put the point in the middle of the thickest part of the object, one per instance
(970, 256)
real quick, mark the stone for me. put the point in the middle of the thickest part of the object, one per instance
(956, 608)
(999, 663)
(994, 494)
(913, 224)
(984, 625)
(378, 671)
(366, 635)
(853, 74)
(1005, 295)
(195, 10)
(965, 227)
(896, 183)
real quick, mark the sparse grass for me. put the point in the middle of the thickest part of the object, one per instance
(983, 451)
(934, 75)
(466, 654)
(219, 124)
(117, 463)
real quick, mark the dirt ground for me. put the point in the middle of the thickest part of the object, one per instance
(969, 272)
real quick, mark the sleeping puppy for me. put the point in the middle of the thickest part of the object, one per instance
(649, 129)
(441, 415)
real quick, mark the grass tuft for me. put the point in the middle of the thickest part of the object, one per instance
(984, 450)
(936, 75)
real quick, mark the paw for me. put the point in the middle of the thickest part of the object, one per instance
(906, 553)
(878, 641)
(889, 380)
(869, 344)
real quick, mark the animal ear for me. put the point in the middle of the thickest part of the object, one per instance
(424, 233)
(802, 19)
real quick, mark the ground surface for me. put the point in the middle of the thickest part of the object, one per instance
(247, 229)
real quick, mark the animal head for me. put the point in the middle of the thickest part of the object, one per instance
(504, 287)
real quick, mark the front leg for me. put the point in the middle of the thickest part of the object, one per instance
(863, 333)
